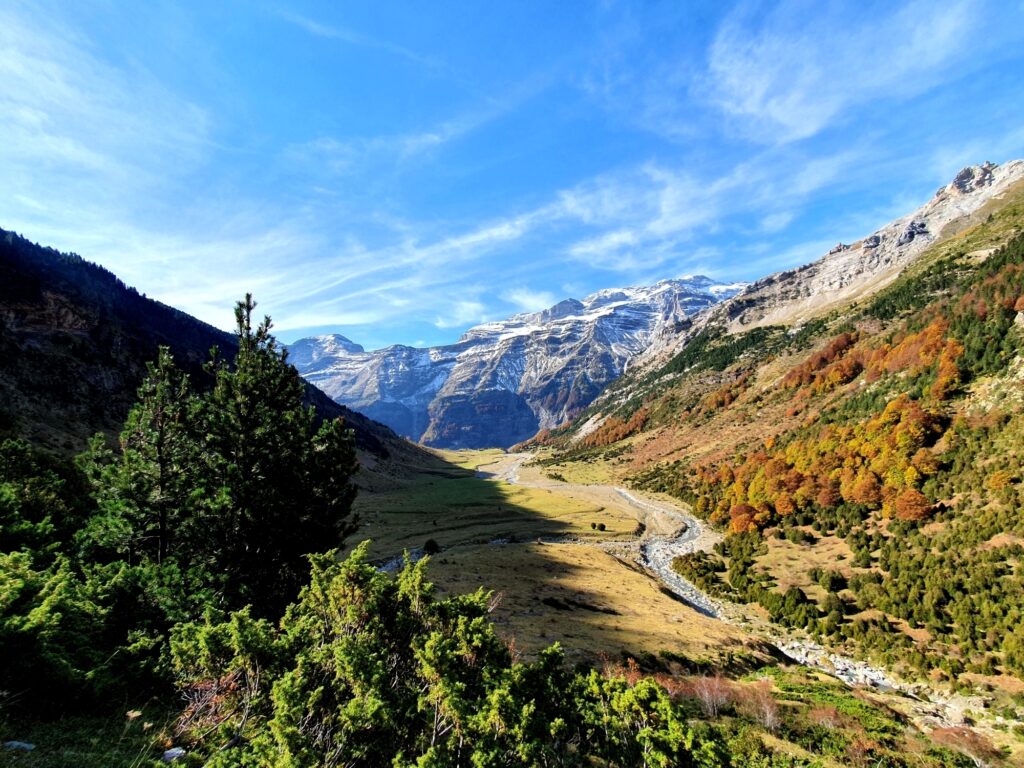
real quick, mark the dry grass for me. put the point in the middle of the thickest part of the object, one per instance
(594, 472)
(790, 564)
(456, 508)
(573, 593)
(587, 600)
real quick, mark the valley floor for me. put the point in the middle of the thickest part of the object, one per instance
(532, 536)
(563, 560)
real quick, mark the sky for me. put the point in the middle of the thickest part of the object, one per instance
(399, 172)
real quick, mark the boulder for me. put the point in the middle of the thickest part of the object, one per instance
(914, 229)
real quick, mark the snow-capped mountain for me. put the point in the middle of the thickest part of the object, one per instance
(503, 381)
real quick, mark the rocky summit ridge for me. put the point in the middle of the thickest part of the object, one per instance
(852, 270)
(503, 381)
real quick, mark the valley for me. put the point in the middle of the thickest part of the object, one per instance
(792, 520)
(534, 541)
(505, 385)
(526, 534)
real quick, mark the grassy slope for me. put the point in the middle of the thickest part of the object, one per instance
(707, 409)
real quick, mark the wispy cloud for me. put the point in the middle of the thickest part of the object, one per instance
(776, 222)
(353, 37)
(636, 81)
(788, 73)
(341, 155)
(529, 300)
(462, 313)
(106, 132)
(652, 216)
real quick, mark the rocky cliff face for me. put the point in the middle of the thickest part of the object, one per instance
(503, 381)
(852, 270)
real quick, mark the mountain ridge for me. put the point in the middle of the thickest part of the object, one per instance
(75, 342)
(861, 267)
(796, 297)
(502, 381)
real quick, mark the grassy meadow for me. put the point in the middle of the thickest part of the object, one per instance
(537, 549)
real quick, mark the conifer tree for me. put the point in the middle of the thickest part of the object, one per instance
(238, 483)
(149, 497)
(282, 485)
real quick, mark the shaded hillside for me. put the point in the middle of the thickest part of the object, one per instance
(867, 463)
(74, 343)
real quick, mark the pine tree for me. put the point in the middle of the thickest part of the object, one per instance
(236, 485)
(149, 496)
(283, 486)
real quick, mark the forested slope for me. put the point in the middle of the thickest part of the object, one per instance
(866, 464)
(75, 342)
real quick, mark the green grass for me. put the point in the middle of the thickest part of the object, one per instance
(99, 741)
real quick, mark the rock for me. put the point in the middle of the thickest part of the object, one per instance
(872, 241)
(838, 247)
(173, 754)
(23, 746)
(505, 380)
(914, 229)
(973, 177)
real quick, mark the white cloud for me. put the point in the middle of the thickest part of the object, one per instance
(788, 73)
(634, 80)
(106, 133)
(528, 300)
(352, 37)
(343, 155)
(462, 313)
(776, 222)
(645, 216)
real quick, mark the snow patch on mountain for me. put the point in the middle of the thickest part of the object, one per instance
(503, 381)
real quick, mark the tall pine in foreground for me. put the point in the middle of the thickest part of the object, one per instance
(150, 498)
(282, 484)
(238, 482)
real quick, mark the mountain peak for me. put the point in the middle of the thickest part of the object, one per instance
(503, 380)
(564, 308)
(970, 179)
(337, 342)
(307, 354)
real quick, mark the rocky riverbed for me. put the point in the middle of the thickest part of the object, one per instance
(671, 531)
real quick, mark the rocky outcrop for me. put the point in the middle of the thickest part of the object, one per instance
(913, 229)
(503, 381)
(972, 178)
(849, 272)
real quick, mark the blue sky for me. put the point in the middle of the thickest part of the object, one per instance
(398, 172)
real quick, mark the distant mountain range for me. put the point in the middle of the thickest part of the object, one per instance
(503, 381)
